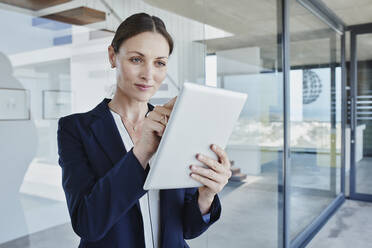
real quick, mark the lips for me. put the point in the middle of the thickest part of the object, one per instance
(143, 86)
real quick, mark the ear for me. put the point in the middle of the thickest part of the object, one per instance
(112, 56)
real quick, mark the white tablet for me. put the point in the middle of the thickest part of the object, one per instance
(201, 116)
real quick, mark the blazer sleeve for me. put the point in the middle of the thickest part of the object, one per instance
(193, 223)
(96, 204)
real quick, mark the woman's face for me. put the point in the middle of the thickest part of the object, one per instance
(141, 65)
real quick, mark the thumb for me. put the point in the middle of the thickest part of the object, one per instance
(170, 104)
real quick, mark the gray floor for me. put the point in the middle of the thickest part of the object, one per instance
(250, 212)
(60, 236)
(351, 226)
(363, 176)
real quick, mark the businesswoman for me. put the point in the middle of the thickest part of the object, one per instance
(105, 153)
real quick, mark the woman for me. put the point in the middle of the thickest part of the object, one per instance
(105, 153)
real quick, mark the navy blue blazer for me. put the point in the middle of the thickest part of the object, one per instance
(103, 183)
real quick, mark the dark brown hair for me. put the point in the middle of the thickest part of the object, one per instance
(139, 23)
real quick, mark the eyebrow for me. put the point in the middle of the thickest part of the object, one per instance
(144, 55)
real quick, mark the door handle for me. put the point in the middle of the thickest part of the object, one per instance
(352, 114)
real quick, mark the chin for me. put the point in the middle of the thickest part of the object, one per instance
(144, 97)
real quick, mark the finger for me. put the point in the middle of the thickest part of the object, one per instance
(215, 187)
(156, 116)
(170, 104)
(222, 155)
(162, 110)
(210, 162)
(211, 174)
(156, 127)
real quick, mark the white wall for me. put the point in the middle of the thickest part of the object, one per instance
(31, 186)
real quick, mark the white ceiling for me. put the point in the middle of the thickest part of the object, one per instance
(352, 12)
(253, 23)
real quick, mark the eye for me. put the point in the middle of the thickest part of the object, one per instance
(160, 63)
(136, 60)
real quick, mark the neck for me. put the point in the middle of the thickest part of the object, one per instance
(127, 107)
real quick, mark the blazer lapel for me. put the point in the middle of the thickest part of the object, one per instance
(107, 133)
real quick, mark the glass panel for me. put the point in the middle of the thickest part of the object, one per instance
(242, 37)
(315, 126)
(64, 69)
(242, 49)
(50, 69)
(33, 60)
(363, 132)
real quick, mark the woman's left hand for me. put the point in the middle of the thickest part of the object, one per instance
(214, 178)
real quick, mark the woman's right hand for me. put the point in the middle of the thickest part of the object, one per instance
(152, 131)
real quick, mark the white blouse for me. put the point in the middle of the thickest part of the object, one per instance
(150, 202)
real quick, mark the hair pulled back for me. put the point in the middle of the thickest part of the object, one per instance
(139, 23)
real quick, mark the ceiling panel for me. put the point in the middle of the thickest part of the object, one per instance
(352, 12)
(34, 4)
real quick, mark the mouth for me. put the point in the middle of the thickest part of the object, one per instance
(143, 87)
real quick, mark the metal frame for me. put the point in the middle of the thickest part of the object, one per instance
(360, 28)
(355, 31)
(321, 11)
(306, 236)
(333, 160)
(283, 172)
(343, 111)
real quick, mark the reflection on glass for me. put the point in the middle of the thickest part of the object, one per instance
(18, 136)
(32, 62)
(51, 69)
(247, 61)
(363, 141)
(69, 64)
(315, 123)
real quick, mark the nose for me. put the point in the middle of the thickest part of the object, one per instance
(146, 72)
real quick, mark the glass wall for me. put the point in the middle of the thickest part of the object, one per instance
(363, 144)
(247, 61)
(240, 41)
(51, 69)
(315, 124)
(34, 91)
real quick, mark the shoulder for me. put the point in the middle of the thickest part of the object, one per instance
(75, 119)
(85, 119)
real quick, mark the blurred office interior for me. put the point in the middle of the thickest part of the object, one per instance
(301, 147)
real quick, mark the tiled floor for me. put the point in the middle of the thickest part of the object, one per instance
(363, 175)
(350, 227)
(250, 215)
(60, 236)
